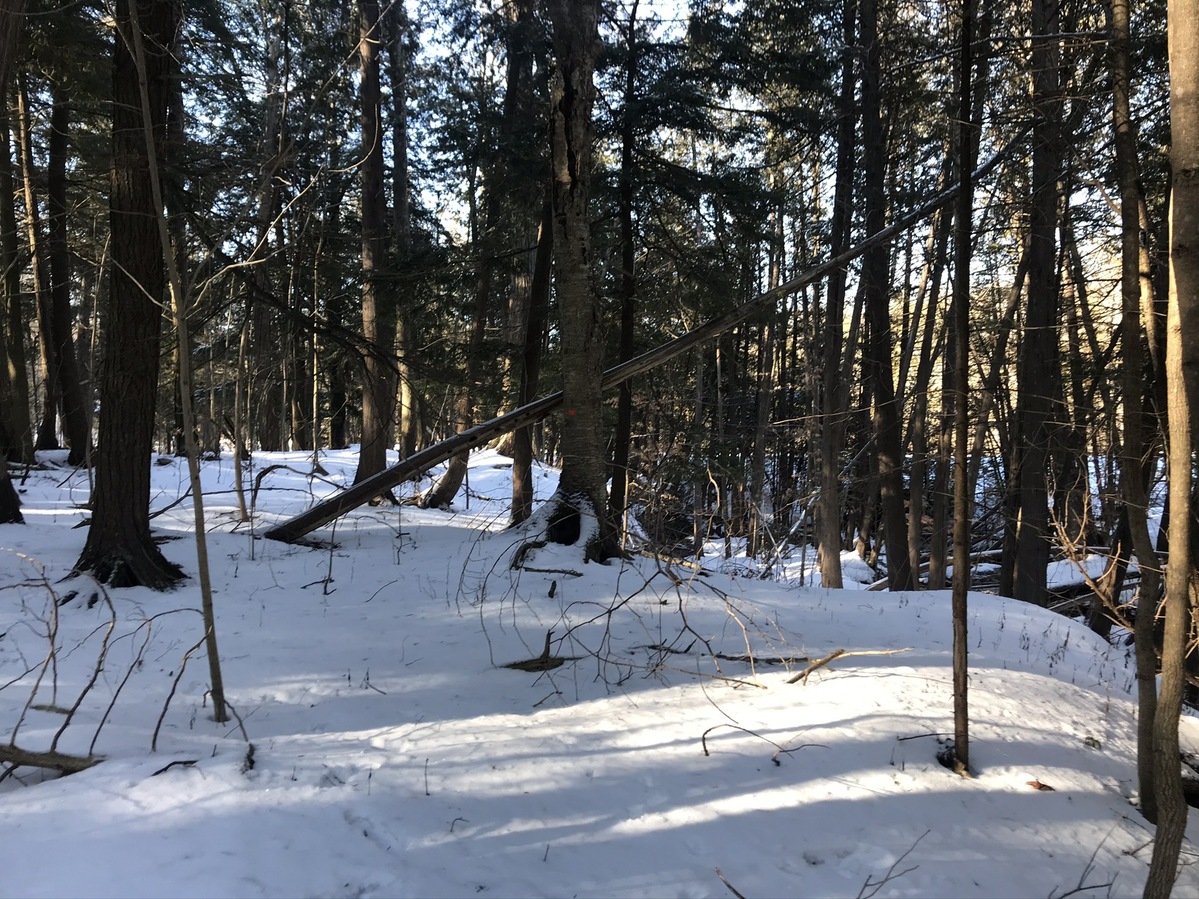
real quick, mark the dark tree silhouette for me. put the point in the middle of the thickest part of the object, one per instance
(119, 548)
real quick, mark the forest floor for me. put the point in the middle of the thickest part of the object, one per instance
(659, 749)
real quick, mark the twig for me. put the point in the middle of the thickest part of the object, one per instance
(241, 725)
(1084, 889)
(732, 889)
(311, 475)
(842, 654)
(1087, 869)
(779, 750)
(184, 763)
(121, 686)
(890, 875)
(729, 657)
(181, 499)
(174, 686)
(565, 572)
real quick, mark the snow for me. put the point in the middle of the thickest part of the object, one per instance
(394, 755)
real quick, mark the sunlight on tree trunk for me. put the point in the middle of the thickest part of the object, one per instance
(1182, 386)
(1132, 466)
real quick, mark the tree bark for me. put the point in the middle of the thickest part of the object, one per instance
(1134, 513)
(875, 270)
(47, 431)
(832, 430)
(1182, 390)
(933, 336)
(263, 396)
(378, 330)
(401, 227)
(178, 306)
(581, 492)
(16, 430)
(119, 548)
(1037, 373)
(530, 369)
(12, 23)
(967, 138)
(618, 497)
(15, 439)
(75, 423)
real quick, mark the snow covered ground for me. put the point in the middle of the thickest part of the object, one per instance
(393, 754)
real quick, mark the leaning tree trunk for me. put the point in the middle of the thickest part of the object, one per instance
(572, 96)
(119, 548)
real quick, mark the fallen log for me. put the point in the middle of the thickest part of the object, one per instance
(11, 754)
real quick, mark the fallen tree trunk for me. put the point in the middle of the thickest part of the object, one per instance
(58, 761)
(322, 513)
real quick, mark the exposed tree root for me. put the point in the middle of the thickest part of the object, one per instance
(130, 566)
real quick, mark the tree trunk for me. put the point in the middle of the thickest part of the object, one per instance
(764, 395)
(378, 329)
(178, 307)
(16, 430)
(1134, 487)
(581, 492)
(875, 270)
(618, 498)
(530, 369)
(263, 396)
(119, 548)
(832, 430)
(1037, 372)
(47, 432)
(495, 232)
(14, 409)
(401, 231)
(1182, 390)
(75, 422)
(12, 22)
(932, 338)
(967, 138)
(1072, 492)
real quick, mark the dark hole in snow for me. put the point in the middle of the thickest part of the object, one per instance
(565, 526)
